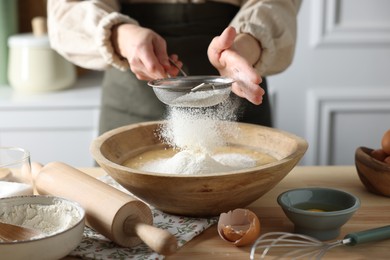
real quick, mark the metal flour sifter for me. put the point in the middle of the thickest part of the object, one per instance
(192, 91)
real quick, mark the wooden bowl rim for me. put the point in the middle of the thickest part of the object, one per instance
(302, 146)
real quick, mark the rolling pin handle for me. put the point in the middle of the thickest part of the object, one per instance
(159, 240)
(36, 167)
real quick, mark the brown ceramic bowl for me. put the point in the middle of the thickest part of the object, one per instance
(197, 195)
(374, 174)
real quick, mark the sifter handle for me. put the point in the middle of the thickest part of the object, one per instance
(370, 235)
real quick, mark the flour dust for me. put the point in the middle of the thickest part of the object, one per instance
(196, 133)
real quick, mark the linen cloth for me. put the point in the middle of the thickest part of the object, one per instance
(96, 246)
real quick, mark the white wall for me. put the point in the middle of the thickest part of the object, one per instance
(336, 94)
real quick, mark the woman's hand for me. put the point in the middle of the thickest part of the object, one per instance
(145, 50)
(232, 63)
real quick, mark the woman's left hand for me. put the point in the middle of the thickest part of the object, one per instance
(230, 63)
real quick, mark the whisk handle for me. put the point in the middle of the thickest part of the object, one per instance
(370, 235)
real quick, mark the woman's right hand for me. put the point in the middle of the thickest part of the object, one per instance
(145, 50)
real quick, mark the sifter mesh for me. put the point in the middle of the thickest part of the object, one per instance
(192, 91)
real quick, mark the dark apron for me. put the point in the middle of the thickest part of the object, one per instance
(188, 30)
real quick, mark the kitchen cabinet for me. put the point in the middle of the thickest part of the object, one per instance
(53, 126)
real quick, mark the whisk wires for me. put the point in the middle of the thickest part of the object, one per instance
(303, 246)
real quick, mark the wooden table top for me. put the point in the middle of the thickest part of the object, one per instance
(374, 212)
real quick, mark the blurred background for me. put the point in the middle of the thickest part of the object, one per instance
(15, 17)
(336, 94)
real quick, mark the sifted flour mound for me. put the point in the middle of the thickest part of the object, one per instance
(189, 162)
(196, 133)
(186, 162)
(235, 161)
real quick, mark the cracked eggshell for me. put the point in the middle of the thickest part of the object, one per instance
(240, 227)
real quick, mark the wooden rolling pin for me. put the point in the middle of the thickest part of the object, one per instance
(113, 213)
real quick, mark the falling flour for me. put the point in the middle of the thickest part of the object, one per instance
(49, 219)
(196, 133)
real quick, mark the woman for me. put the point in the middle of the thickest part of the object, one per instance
(133, 40)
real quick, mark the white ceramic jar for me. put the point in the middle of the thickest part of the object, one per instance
(34, 66)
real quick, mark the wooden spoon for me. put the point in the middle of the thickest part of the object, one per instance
(11, 233)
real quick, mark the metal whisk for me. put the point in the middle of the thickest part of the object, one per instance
(312, 248)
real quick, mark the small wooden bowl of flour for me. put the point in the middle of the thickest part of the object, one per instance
(59, 220)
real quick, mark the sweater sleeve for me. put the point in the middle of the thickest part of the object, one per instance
(81, 30)
(274, 24)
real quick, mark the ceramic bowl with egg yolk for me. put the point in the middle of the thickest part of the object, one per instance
(318, 212)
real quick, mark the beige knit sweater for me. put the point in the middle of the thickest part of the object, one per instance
(81, 30)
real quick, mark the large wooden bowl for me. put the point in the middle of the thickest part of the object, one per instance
(374, 174)
(197, 195)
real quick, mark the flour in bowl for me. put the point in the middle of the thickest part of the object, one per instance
(49, 219)
(200, 140)
(202, 98)
(189, 162)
